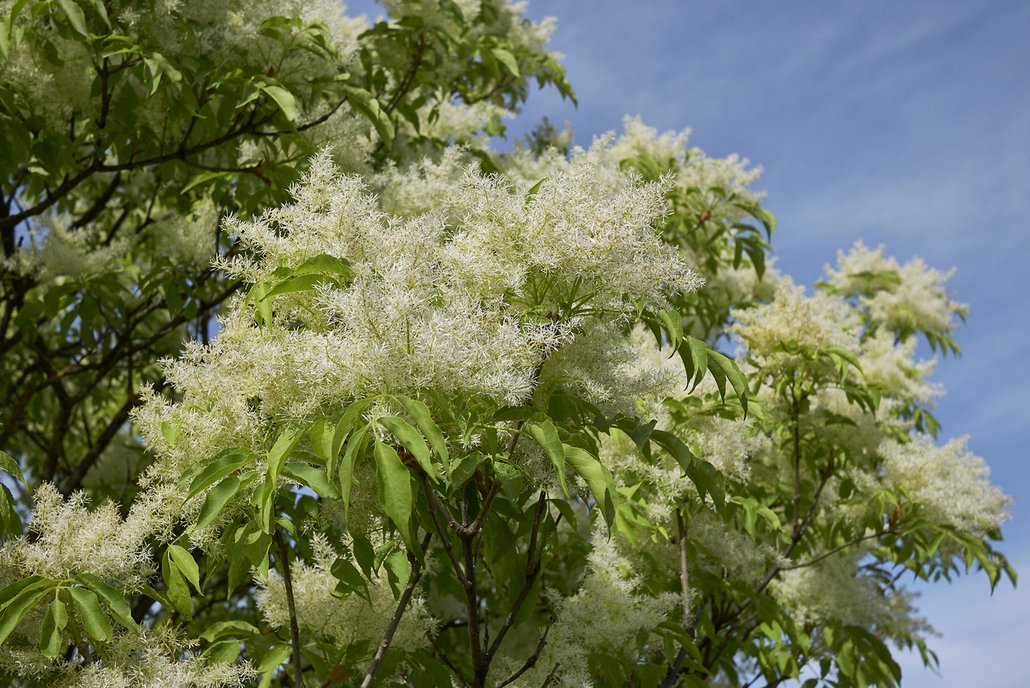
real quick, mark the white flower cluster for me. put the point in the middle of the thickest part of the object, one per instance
(606, 615)
(56, 250)
(344, 622)
(189, 239)
(904, 298)
(793, 318)
(892, 366)
(68, 538)
(723, 549)
(443, 299)
(157, 658)
(948, 483)
(180, 30)
(831, 590)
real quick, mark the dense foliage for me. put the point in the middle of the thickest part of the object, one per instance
(546, 417)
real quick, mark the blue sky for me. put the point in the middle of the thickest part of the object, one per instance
(901, 123)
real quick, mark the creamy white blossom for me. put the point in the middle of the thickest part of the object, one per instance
(948, 483)
(809, 322)
(344, 622)
(904, 298)
(603, 616)
(69, 538)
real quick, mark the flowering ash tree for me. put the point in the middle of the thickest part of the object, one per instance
(548, 417)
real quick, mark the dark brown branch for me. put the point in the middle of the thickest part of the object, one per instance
(531, 661)
(101, 203)
(532, 572)
(435, 506)
(479, 665)
(284, 566)
(307, 125)
(402, 605)
(74, 479)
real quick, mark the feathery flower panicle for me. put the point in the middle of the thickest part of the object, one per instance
(948, 483)
(441, 298)
(832, 590)
(344, 622)
(70, 538)
(605, 615)
(905, 298)
(892, 367)
(810, 322)
(157, 658)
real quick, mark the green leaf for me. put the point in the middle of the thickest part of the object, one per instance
(598, 478)
(98, 5)
(8, 463)
(116, 602)
(284, 444)
(203, 178)
(463, 469)
(695, 359)
(10, 521)
(511, 480)
(507, 59)
(10, 592)
(413, 442)
(90, 613)
(727, 368)
(395, 490)
(184, 561)
(325, 263)
(235, 628)
(364, 554)
(262, 306)
(546, 436)
(222, 652)
(350, 579)
(419, 412)
(398, 568)
(345, 424)
(364, 102)
(269, 662)
(535, 189)
(673, 323)
(170, 430)
(18, 607)
(297, 283)
(51, 638)
(355, 450)
(157, 68)
(223, 465)
(216, 500)
(704, 475)
(317, 480)
(75, 16)
(178, 592)
(284, 99)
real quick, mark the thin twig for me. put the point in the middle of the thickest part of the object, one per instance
(284, 566)
(532, 572)
(532, 660)
(402, 605)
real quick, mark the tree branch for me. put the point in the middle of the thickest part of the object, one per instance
(532, 572)
(283, 556)
(402, 605)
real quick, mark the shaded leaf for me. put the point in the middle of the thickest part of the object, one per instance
(92, 616)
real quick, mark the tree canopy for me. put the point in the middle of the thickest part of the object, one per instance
(306, 384)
